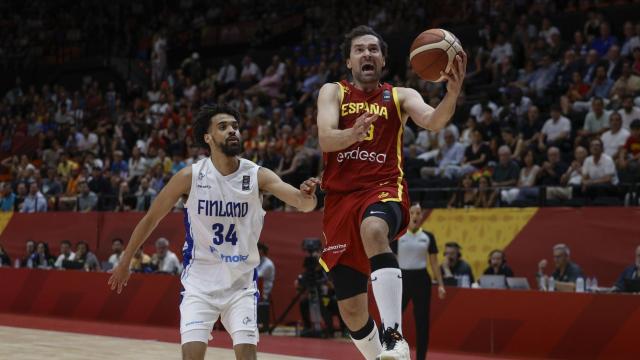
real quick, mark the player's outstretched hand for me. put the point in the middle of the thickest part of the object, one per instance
(360, 129)
(455, 77)
(119, 277)
(308, 187)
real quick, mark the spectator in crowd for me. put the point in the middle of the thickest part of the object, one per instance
(565, 270)
(164, 260)
(597, 120)
(605, 41)
(632, 272)
(7, 197)
(116, 252)
(552, 169)
(43, 258)
(629, 112)
(141, 262)
(65, 254)
(629, 158)
(449, 158)
(506, 172)
(515, 144)
(498, 264)
(266, 272)
(526, 181)
(485, 195)
(87, 199)
(145, 195)
(599, 172)
(614, 139)
(453, 266)
(34, 201)
(477, 155)
(466, 196)
(572, 178)
(85, 259)
(5, 260)
(30, 252)
(555, 131)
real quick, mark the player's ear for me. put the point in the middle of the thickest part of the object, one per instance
(207, 138)
(348, 63)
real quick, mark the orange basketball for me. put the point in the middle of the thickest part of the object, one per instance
(433, 51)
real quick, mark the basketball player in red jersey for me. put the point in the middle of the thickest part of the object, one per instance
(360, 127)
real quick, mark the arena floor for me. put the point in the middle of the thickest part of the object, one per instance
(34, 338)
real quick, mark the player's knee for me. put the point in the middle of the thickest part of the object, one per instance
(374, 230)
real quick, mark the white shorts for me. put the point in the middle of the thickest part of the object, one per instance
(236, 308)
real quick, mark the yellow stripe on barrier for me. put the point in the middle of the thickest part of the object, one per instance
(5, 217)
(478, 231)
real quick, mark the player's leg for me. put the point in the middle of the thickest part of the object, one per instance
(197, 316)
(380, 224)
(239, 316)
(351, 292)
(194, 350)
(421, 306)
(245, 351)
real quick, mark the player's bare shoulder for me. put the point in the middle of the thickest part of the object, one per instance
(182, 180)
(329, 92)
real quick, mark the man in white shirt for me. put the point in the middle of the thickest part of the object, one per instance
(250, 71)
(116, 247)
(164, 260)
(598, 172)
(614, 138)
(228, 73)
(65, 254)
(501, 50)
(629, 112)
(556, 129)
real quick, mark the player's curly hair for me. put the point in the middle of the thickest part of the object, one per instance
(361, 31)
(203, 120)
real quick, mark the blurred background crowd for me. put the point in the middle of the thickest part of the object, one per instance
(98, 115)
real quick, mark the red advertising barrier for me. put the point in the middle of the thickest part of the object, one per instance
(509, 323)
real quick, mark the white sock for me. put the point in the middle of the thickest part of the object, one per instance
(387, 289)
(370, 345)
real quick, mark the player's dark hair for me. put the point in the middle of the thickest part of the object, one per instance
(203, 120)
(635, 124)
(357, 32)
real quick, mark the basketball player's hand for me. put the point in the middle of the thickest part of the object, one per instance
(308, 187)
(360, 129)
(442, 293)
(119, 277)
(456, 76)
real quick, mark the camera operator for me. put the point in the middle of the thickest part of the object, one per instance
(318, 301)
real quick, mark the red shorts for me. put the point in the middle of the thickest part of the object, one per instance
(341, 225)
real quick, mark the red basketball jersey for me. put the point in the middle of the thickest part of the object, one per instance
(376, 161)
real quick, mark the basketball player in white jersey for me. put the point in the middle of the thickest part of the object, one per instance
(223, 218)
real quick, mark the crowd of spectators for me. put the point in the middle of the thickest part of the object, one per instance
(540, 108)
(80, 257)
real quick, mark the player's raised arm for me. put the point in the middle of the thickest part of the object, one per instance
(330, 136)
(426, 116)
(179, 184)
(304, 199)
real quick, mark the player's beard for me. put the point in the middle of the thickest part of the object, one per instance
(230, 149)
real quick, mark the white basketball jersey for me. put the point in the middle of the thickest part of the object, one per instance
(223, 219)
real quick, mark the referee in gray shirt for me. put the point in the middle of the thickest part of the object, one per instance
(413, 249)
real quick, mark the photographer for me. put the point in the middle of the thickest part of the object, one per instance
(318, 302)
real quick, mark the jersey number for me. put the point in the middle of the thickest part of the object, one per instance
(370, 135)
(219, 237)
